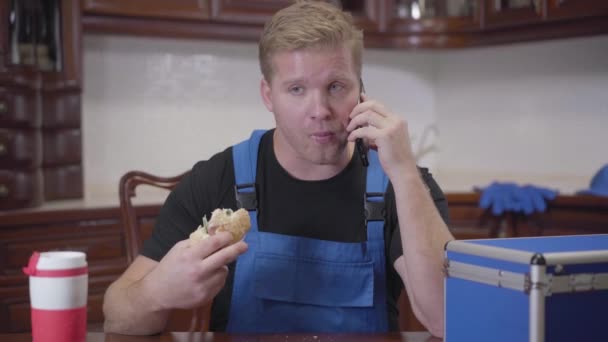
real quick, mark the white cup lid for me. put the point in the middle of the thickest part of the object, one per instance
(61, 260)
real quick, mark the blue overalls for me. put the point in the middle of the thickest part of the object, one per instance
(294, 284)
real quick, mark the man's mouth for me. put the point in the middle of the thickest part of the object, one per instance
(323, 137)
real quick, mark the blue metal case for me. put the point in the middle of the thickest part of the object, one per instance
(527, 289)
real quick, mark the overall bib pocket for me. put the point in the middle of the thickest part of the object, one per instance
(313, 295)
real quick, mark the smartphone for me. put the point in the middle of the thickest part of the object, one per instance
(360, 145)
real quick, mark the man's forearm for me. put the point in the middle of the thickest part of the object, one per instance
(128, 310)
(423, 237)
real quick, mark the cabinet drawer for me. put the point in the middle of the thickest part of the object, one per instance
(20, 108)
(101, 242)
(61, 147)
(20, 148)
(573, 9)
(99, 248)
(176, 9)
(20, 189)
(246, 12)
(61, 109)
(63, 182)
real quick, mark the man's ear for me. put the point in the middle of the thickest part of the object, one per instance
(266, 94)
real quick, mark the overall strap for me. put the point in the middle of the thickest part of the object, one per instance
(374, 202)
(245, 158)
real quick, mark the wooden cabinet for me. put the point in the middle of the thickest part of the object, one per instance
(20, 106)
(61, 105)
(20, 188)
(566, 215)
(164, 9)
(438, 24)
(97, 232)
(20, 148)
(526, 20)
(245, 11)
(509, 13)
(62, 144)
(20, 140)
(40, 79)
(443, 16)
(367, 14)
(568, 9)
(387, 23)
(4, 29)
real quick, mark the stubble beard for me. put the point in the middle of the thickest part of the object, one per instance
(327, 155)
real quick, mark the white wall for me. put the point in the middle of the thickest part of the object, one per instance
(160, 105)
(533, 113)
(529, 112)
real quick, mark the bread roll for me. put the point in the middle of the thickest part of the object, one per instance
(236, 223)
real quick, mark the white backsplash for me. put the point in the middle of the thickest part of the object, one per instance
(529, 112)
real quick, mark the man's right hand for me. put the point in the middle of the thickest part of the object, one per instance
(189, 275)
(192, 272)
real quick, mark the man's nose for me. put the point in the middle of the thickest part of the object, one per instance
(320, 108)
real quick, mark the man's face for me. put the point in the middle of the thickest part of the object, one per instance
(311, 93)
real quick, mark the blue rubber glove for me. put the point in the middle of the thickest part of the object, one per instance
(499, 197)
(510, 197)
(536, 198)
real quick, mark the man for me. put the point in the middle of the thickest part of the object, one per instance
(315, 262)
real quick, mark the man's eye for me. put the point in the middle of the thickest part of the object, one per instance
(296, 90)
(335, 87)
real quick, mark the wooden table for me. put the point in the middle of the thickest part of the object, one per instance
(221, 337)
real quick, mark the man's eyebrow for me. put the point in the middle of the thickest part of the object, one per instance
(335, 77)
(340, 77)
(293, 80)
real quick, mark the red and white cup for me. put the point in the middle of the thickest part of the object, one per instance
(58, 296)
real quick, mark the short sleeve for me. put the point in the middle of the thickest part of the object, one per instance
(206, 187)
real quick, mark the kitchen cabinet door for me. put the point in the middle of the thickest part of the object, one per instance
(438, 23)
(4, 18)
(163, 9)
(97, 231)
(20, 188)
(509, 13)
(20, 148)
(246, 11)
(566, 9)
(40, 102)
(365, 12)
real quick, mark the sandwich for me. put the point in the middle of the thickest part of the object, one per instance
(236, 223)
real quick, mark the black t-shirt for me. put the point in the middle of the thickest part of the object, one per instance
(330, 209)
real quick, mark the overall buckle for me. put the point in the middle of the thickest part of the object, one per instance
(246, 196)
(374, 207)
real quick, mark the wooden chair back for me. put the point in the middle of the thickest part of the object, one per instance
(179, 320)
